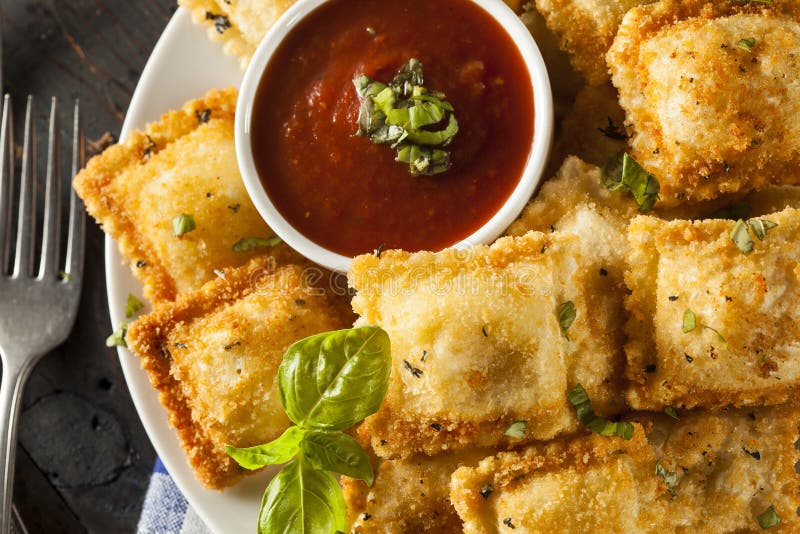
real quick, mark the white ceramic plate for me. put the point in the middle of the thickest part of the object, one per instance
(184, 65)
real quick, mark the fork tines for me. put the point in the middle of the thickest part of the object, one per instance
(23, 255)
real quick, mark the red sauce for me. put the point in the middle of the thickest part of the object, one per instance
(350, 195)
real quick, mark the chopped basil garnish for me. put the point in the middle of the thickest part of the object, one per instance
(599, 425)
(117, 339)
(566, 316)
(417, 122)
(746, 44)
(64, 276)
(689, 321)
(327, 383)
(670, 411)
(517, 430)
(251, 243)
(670, 478)
(623, 173)
(740, 235)
(183, 224)
(133, 306)
(768, 518)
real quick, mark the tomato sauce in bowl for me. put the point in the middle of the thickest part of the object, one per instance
(348, 194)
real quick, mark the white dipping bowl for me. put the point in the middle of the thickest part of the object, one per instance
(532, 173)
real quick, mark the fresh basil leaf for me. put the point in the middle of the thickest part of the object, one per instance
(278, 451)
(747, 44)
(333, 380)
(250, 243)
(439, 138)
(517, 430)
(133, 306)
(302, 499)
(623, 173)
(768, 518)
(741, 238)
(760, 227)
(599, 425)
(670, 478)
(337, 452)
(689, 321)
(566, 316)
(183, 224)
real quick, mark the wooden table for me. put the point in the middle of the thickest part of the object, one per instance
(84, 459)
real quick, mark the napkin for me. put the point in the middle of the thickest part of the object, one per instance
(165, 509)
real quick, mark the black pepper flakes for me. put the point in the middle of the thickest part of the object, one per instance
(411, 369)
(221, 22)
(180, 345)
(140, 264)
(603, 272)
(688, 358)
(755, 454)
(483, 330)
(612, 131)
(365, 516)
(234, 344)
(149, 148)
(507, 522)
(752, 415)
(424, 355)
(379, 250)
(651, 368)
(384, 442)
(203, 116)
(209, 194)
(234, 207)
(486, 491)
(300, 302)
(673, 298)
(436, 426)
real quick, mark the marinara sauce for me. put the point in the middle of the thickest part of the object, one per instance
(350, 195)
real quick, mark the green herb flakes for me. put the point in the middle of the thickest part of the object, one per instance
(768, 518)
(117, 339)
(133, 306)
(623, 173)
(670, 478)
(746, 44)
(599, 425)
(251, 243)
(517, 430)
(64, 276)
(417, 122)
(740, 235)
(566, 316)
(689, 321)
(672, 412)
(760, 227)
(183, 224)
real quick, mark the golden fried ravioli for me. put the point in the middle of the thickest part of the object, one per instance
(587, 484)
(213, 355)
(586, 29)
(724, 470)
(708, 325)
(185, 164)
(239, 24)
(408, 495)
(477, 345)
(710, 94)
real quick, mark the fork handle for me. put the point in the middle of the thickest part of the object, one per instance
(11, 387)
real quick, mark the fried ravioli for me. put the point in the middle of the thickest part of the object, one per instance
(408, 495)
(183, 164)
(476, 343)
(709, 113)
(586, 29)
(239, 24)
(725, 469)
(213, 356)
(587, 484)
(743, 347)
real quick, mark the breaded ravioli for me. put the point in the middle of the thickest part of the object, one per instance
(710, 94)
(213, 355)
(707, 324)
(707, 473)
(239, 24)
(586, 484)
(184, 164)
(408, 495)
(586, 29)
(477, 345)
(730, 467)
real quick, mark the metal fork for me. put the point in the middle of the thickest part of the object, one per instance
(38, 306)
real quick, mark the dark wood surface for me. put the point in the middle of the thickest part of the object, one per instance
(84, 460)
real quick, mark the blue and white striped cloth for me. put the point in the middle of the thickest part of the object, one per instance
(165, 508)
